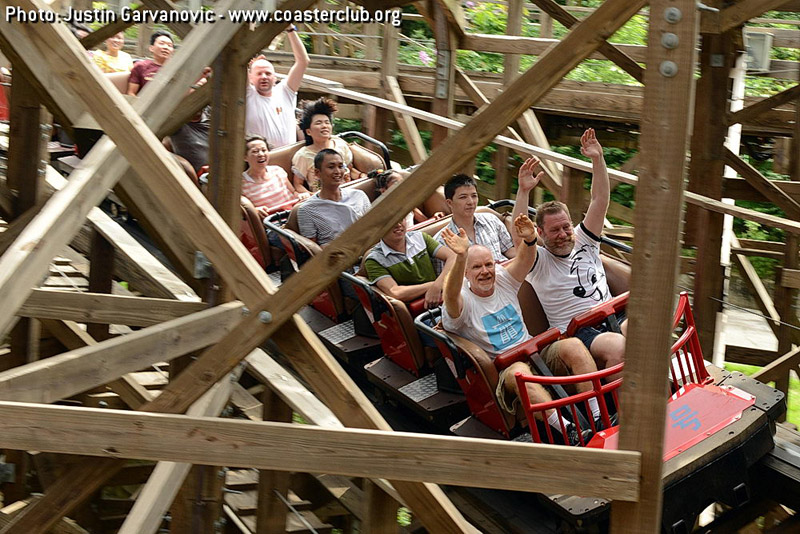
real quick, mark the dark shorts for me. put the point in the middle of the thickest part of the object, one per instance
(588, 333)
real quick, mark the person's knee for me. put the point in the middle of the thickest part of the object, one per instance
(573, 352)
(609, 347)
(513, 369)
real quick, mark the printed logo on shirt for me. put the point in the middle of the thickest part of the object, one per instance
(504, 328)
(278, 110)
(587, 275)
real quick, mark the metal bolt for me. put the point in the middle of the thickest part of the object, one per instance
(102, 404)
(265, 317)
(668, 69)
(669, 41)
(245, 311)
(673, 15)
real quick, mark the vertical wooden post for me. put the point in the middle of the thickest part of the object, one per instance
(381, 511)
(226, 140)
(785, 297)
(502, 183)
(376, 119)
(444, 80)
(574, 194)
(545, 25)
(703, 227)
(668, 99)
(27, 156)
(371, 41)
(101, 270)
(784, 301)
(271, 518)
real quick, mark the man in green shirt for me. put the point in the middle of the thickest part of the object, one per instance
(401, 265)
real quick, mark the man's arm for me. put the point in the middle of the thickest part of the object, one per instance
(529, 175)
(601, 189)
(459, 244)
(295, 76)
(404, 293)
(521, 265)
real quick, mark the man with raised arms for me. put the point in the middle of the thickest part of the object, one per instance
(270, 105)
(568, 275)
(486, 311)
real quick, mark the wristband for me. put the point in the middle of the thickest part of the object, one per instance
(291, 28)
(531, 243)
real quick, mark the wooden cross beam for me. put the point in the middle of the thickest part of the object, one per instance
(104, 308)
(620, 58)
(764, 186)
(351, 452)
(72, 372)
(737, 14)
(762, 106)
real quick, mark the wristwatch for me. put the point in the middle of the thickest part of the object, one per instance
(532, 243)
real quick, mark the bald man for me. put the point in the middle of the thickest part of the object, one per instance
(270, 105)
(487, 313)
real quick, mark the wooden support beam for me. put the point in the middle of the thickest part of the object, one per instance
(60, 102)
(136, 264)
(764, 186)
(444, 75)
(155, 497)
(224, 189)
(106, 309)
(785, 298)
(665, 135)
(381, 511)
(263, 367)
(182, 29)
(749, 355)
(610, 51)
(272, 485)
(109, 30)
(704, 227)
(737, 14)
(502, 175)
(779, 367)
(30, 254)
(73, 337)
(409, 128)
(454, 15)
(757, 288)
(101, 277)
(762, 106)
(70, 373)
(368, 453)
(27, 145)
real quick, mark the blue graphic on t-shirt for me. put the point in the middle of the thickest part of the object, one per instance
(504, 328)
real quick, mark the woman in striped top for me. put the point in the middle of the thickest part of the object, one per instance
(266, 186)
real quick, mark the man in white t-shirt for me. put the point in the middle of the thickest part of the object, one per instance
(568, 275)
(487, 312)
(270, 105)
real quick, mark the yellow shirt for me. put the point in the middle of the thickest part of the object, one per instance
(107, 63)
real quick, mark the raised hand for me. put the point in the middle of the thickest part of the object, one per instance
(530, 174)
(458, 243)
(590, 146)
(525, 227)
